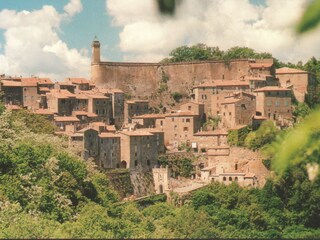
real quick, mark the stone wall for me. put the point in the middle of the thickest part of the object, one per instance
(143, 79)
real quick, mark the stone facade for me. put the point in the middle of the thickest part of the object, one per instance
(301, 82)
(135, 108)
(274, 103)
(132, 77)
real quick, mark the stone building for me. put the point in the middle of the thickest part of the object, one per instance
(301, 82)
(135, 108)
(139, 149)
(62, 122)
(238, 110)
(274, 103)
(61, 101)
(149, 120)
(179, 127)
(81, 84)
(132, 77)
(202, 141)
(212, 93)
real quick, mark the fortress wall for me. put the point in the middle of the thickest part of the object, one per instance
(143, 79)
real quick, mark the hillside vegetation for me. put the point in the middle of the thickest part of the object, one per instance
(46, 192)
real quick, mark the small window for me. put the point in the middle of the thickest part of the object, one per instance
(161, 123)
(98, 102)
(189, 108)
(230, 179)
(135, 163)
(224, 179)
(185, 129)
(188, 120)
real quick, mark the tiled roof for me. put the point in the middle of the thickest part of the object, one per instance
(44, 89)
(8, 83)
(271, 88)
(149, 116)
(212, 133)
(43, 112)
(286, 70)
(223, 83)
(136, 133)
(108, 135)
(61, 93)
(137, 101)
(66, 119)
(78, 80)
(181, 113)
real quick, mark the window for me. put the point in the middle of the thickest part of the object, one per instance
(286, 103)
(188, 120)
(269, 103)
(230, 179)
(236, 179)
(161, 123)
(63, 101)
(189, 108)
(277, 103)
(101, 141)
(98, 102)
(135, 163)
(185, 129)
(224, 179)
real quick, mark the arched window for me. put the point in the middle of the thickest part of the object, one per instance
(123, 164)
(230, 179)
(224, 179)
(236, 179)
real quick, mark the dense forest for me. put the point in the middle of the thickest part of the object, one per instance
(47, 192)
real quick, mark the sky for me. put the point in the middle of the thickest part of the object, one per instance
(52, 38)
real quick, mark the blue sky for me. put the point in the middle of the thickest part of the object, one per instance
(80, 31)
(56, 41)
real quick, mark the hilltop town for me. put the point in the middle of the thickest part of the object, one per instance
(111, 118)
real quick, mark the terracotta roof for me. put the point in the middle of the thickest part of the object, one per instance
(149, 116)
(61, 93)
(66, 119)
(223, 83)
(81, 96)
(232, 174)
(208, 168)
(44, 89)
(78, 80)
(66, 84)
(151, 130)
(258, 79)
(108, 90)
(271, 88)
(98, 124)
(136, 133)
(181, 113)
(111, 128)
(286, 70)
(29, 82)
(43, 112)
(8, 83)
(137, 101)
(261, 65)
(45, 81)
(212, 133)
(109, 135)
(97, 96)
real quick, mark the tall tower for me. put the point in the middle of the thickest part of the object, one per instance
(95, 51)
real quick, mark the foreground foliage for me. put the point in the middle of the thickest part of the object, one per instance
(46, 192)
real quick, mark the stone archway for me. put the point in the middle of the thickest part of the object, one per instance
(123, 164)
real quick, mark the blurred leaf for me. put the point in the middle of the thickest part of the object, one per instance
(310, 18)
(167, 6)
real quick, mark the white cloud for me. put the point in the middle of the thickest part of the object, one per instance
(33, 47)
(146, 35)
(73, 7)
